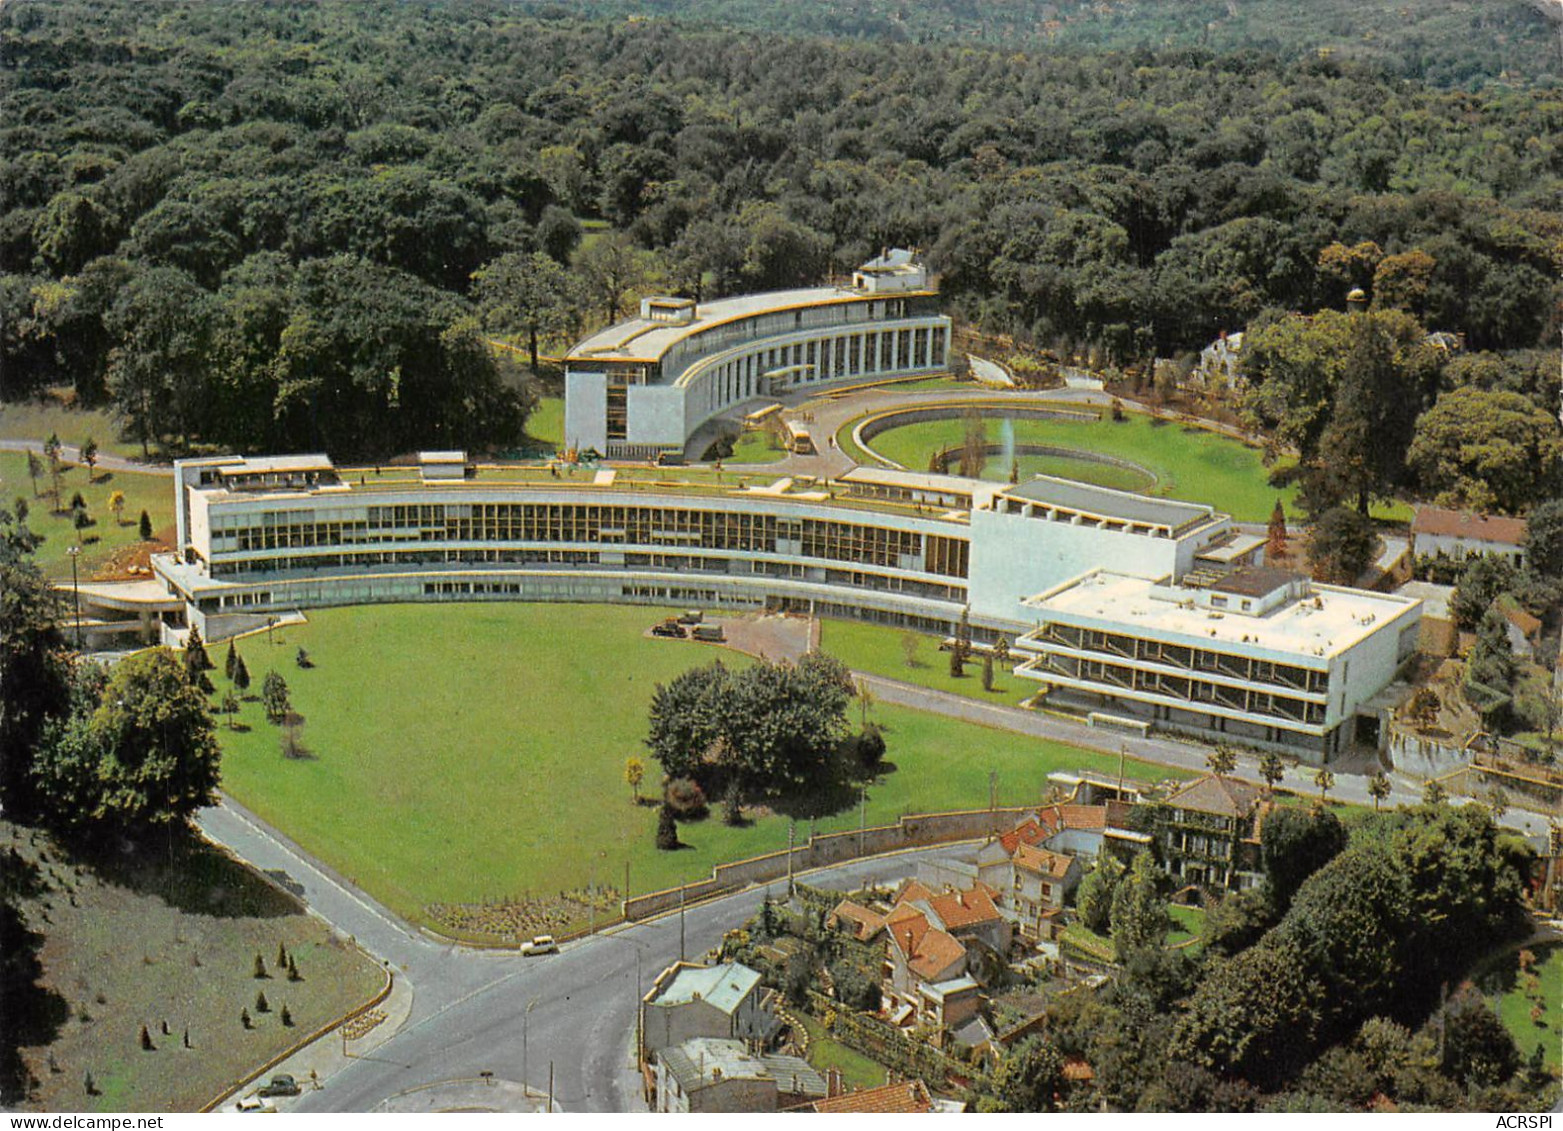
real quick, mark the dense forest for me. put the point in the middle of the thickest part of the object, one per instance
(1443, 42)
(257, 225)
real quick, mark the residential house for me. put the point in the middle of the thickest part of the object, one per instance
(716, 1074)
(1035, 865)
(1041, 880)
(1208, 832)
(689, 1001)
(917, 953)
(1437, 532)
(1523, 630)
(909, 1097)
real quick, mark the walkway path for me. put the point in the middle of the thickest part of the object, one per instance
(106, 461)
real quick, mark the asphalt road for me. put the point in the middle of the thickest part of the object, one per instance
(473, 1011)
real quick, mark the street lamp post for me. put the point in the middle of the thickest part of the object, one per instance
(526, 1025)
(75, 552)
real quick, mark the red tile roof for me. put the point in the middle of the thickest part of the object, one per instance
(1520, 619)
(1029, 831)
(909, 1098)
(863, 923)
(1477, 527)
(1083, 816)
(1040, 860)
(929, 952)
(964, 908)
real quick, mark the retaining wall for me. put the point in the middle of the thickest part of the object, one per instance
(919, 830)
(1422, 757)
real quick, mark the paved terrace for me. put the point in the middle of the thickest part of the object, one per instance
(671, 483)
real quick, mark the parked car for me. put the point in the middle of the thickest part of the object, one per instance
(255, 1104)
(540, 944)
(669, 628)
(711, 633)
(692, 616)
(281, 1085)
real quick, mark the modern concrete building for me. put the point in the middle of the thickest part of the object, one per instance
(261, 538)
(1266, 657)
(642, 387)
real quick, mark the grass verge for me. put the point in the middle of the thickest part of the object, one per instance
(105, 537)
(169, 939)
(886, 651)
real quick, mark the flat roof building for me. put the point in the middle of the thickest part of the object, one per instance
(1264, 655)
(643, 386)
(262, 537)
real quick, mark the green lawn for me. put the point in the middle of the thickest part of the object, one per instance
(37, 420)
(476, 751)
(546, 424)
(760, 446)
(1189, 463)
(825, 1052)
(152, 493)
(154, 940)
(1187, 923)
(884, 651)
(1516, 1001)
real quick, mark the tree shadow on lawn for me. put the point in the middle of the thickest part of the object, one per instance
(191, 874)
(34, 1013)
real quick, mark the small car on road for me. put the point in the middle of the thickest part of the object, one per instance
(540, 944)
(281, 1085)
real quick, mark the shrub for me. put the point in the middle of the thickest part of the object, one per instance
(686, 799)
(867, 747)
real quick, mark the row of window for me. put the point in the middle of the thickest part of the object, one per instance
(1185, 688)
(1184, 656)
(679, 563)
(595, 524)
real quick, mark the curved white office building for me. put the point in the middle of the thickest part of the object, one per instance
(642, 387)
(1289, 667)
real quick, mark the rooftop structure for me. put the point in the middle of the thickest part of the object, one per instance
(723, 987)
(1065, 500)
(645, 385)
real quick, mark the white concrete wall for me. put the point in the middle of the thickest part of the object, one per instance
(1014, 557)
(1458, 548)
(585, 411)
(656, 415)
(1369, 666)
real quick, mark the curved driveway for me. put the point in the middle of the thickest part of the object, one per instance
(470, 1008)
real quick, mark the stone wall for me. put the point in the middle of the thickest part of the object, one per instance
(919, 830)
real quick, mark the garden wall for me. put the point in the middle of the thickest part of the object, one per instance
(919, 830)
